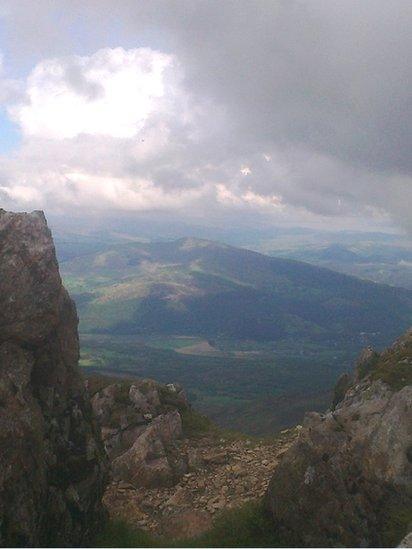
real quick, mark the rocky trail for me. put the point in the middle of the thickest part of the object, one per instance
(222, 474)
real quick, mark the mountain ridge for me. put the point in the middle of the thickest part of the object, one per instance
(188, 286)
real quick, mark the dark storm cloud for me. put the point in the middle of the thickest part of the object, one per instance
(335, 75)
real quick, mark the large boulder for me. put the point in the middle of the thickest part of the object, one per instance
(347, 481)
(151, 460)
(52, 462)
(141, 425)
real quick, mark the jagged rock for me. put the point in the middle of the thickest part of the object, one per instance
(186, 509)
(194, 459)
(141, 425)
(365, 362)
(148, 462)
(180, 497)
(214, 457)
(407, 541)
(348, 477)
(343, 384)
(52, 463)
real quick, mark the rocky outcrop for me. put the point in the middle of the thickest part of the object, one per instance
(347, 481)
(141, 426)
(407, 541)
(52, 463)
(224, 473)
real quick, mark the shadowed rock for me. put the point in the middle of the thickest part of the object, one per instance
(347, 481)
(52, 463)
(141, 426)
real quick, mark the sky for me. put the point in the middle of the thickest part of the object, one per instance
(231, 113)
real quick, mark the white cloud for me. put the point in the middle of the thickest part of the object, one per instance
(128, 194)
(113, 92)
(245, 170)
(22, 194)
(247, 199)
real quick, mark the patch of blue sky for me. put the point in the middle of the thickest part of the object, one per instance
(10, 135)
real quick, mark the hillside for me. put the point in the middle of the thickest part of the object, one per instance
(342, 479)
(258, 393)
(352, 466)
(202, 288)
(379, 262)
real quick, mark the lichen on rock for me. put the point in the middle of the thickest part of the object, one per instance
(52, 462)
(347, 481)
(141, 426)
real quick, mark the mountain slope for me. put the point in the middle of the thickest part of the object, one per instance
(379, 262)
(198, 287)
(347, 480)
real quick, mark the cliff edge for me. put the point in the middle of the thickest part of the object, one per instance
(52, 462)
(347, 481)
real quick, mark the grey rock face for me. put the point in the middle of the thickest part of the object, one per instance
(347, 481)
(52, 463)
(407, 541)
(141, 426)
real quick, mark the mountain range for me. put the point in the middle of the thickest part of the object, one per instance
(379, 262)
(197, 287)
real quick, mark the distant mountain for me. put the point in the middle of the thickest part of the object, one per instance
(379, 262)
(337, 252)
(199, 287)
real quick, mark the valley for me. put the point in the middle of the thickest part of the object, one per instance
(193, 287)
(384, 258)
(256, 340)
(256, 393)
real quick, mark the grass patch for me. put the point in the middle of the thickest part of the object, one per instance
(396, 376)
(368, 366)
(395, 368)
(121, 534)
(196, 425)
(171, 342)
(88, 362)
(246, 526)
(396, 523)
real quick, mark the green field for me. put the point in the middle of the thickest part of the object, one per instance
(256, 393)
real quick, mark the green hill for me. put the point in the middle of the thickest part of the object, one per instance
(201, 288)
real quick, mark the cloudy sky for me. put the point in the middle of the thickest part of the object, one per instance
(217, 111)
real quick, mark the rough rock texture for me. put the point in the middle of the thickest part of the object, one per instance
(407, 541)
(347, 481)
(223, 474)
(52, 463)
(141, 424)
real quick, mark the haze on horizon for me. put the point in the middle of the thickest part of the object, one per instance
(234, 113)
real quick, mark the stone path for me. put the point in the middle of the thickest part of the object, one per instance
(224, 474)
